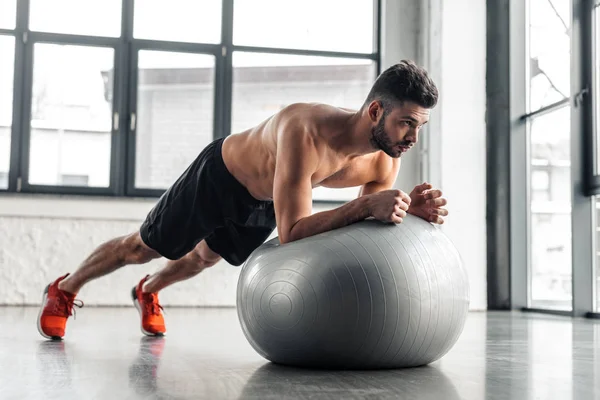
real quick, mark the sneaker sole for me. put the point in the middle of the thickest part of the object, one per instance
(39, 319)
(137, 306)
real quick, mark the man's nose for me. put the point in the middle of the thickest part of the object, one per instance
(413, 136)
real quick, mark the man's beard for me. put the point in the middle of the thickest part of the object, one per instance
(380, 140)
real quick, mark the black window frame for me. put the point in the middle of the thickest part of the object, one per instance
(126, 47)
(508, 169)
(588, 98)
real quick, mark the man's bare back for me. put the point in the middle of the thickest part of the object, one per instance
(309, 130)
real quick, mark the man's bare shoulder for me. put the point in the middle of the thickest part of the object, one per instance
(384, 166)
(306, 122)
(308, 114)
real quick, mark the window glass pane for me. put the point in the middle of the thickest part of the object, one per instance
(7, 59)
(549, 52)
(597, 257)
(71, 110)
(550, 269)
(335, 25)
(8, 14)
(197, 21)
(263, 84)
(175, 100)
(597, 171)
(597, 85)
(89, 17)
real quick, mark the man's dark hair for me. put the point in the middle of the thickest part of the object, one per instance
(402, 82)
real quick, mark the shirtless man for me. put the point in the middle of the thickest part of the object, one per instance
(231, 198)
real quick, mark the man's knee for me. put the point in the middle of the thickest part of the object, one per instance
(204, 257)
(136, 251)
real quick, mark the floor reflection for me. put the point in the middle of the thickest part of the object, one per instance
(54, 366)
(271, 380)
(143, 371)
(532, 356)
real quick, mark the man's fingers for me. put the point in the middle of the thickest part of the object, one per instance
(437, 202)
(436, 220)
(433, 194)
(399, 211)
(402, 205)
(422, 187)
(405, 197)
(402, 198)
(396, 219)
(439, 211)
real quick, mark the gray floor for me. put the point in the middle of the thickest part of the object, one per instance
(205, 356)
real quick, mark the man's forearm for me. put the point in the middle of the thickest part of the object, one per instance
(351, 212)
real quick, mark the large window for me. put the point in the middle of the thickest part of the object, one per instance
(175, 96)
(265, 83)
(7, 59)
(550, 210)
(70, 115)
(555, 155)
(197, 21)
(550, 276)
(91, 17)
(549, 52)
(334, 25)
(596, 132)
(121, 95)
(596, 82)
(596, 280)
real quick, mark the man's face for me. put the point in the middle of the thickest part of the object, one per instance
(398, 128)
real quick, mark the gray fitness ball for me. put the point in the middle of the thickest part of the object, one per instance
(369, 295)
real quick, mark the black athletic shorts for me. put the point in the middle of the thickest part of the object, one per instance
(207, 202)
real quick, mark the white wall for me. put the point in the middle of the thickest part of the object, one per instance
(456, 40)
(44, 237)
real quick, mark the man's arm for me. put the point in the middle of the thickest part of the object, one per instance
(385, 182)
(297, 160)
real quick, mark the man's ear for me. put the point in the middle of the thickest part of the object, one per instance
(375, 110)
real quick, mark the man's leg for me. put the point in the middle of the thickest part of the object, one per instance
(59, 296)
(107, 258)
(145, 294)
(186, 267)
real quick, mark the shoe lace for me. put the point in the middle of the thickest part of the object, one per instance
(64, 305)
(151, 304)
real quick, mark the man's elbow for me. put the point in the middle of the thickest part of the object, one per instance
(288, 235)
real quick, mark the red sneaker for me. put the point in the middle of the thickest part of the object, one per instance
(57, 307)
(152, 320)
